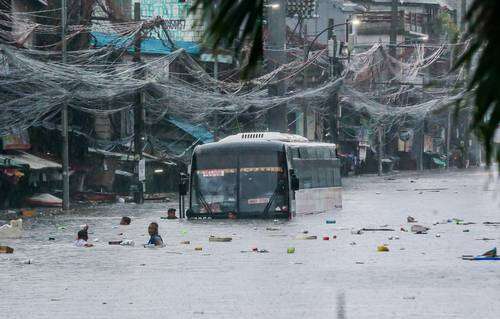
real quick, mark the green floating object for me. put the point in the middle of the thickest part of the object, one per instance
(290, 250)
(184, 232)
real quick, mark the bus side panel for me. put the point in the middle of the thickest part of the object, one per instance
(318, 200)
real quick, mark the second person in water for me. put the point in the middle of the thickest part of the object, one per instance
(155, 238)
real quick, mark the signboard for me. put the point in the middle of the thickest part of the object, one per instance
(177, 15)
(142, 170)
(19, 140)
(221, 58)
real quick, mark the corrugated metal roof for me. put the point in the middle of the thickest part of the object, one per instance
(452, 4)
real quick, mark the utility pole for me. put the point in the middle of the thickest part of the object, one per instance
(448, 139)
(138, 111)
(276, 56)
(393, 34)
(333, 102)
(380, 148)
(64, 112)
(216, 115)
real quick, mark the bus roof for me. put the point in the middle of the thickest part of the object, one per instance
(261, 140)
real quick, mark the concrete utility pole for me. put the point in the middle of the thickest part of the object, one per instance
(276, 56)
(380, 148)
(333, 115)
(138, 111)
(448, 139)
(393, 34)
(64, 113)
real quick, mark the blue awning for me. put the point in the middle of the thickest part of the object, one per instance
(198, 131)
(148, 45)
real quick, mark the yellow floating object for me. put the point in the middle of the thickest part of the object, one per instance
(198, 248)
(382, 248)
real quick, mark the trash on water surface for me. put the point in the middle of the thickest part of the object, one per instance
(305, 232)
(490, 255)
(485, 238)
(438, 235)
(394, 238)
(466, 230)
(326, 238)
(185, 242)
(198, 248)
(411, 219)
(330, 221)
(491, 223)
(127, 242)
(52, 238)
(377, 229)
(96, 240)
(357, 232)
(28, 261)
(418, 229)
(115, 242)
(28, 212)
(219, 239)
(6, 250)
(272, 228)
(382, 248)
(307, 237)
(290, 250)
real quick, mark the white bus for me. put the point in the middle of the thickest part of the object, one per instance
(263, 175)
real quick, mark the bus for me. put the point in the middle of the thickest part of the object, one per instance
(265, 175)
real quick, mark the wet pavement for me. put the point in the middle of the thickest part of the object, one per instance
(422, 276)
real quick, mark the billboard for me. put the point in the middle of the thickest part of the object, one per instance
(177, 13)
(18, 140)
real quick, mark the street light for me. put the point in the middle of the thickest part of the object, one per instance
(355, 22)
(274, 6)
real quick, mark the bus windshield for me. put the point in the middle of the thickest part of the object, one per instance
(247, 182)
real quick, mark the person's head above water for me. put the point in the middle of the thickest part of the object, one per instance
(82, 234)
(125, 220)
(153, 229)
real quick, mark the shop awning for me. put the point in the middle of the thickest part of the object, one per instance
(129, 157)
(197, 131)
(34, 162)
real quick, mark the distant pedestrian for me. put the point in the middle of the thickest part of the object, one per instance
(125, 220)
(171, 213)
(155, 238)
(82, 239)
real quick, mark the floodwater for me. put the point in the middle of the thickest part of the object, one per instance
(422, 276)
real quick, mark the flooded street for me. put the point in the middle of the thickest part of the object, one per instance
(422, 276)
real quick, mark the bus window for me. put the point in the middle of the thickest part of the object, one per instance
(263, 182)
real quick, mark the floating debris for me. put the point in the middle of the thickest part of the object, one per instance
(290, 250)
(307, 237)
(272, 228)
(198, 248)
(326, 238)
(377, 229)
(6, 250)
(220, 239)
(185, 242)
(115, 242)
(418, 229)
(331, 221)
(382, 248)
(411, 219)
(485, 238)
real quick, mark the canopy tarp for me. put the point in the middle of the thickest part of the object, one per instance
(148, 45)
(197, 131)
